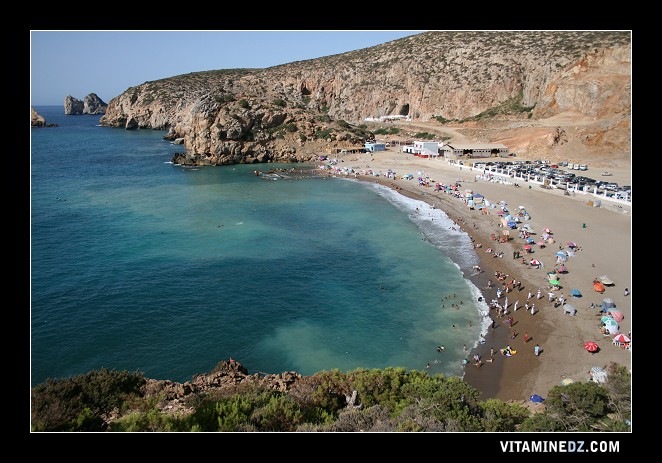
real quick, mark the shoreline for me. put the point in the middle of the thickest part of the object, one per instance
(517, 377)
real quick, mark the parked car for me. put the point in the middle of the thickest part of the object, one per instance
(606, 174)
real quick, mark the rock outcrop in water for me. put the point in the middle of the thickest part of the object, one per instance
(291, 111)
(73, 106)
(94, 105)
(91, 104)
(37, 120)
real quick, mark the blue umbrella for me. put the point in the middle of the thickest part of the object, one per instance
(478, 195)
(530, 240)
(575, 293)
(561, 254)
(536, 398)
(511, 224)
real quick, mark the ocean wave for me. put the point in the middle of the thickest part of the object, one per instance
(438, 228)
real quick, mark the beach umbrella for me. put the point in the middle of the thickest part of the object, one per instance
(567, 381)
(611, 323)
(606, 318)
(591, 346)
(554, 282)
(521, 207)
(536, 399)
(547, 230)
(621, 338)
(530, 240)
(563, 269)
(561, 254)
(605, 280)
(535, 262)
(598, 287)
(478, 195)
(572, 244)
(511, 224)
(617, 315)
(575, 293)
(608, 303)
(527, 247)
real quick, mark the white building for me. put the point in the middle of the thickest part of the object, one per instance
(474, 150)
(422, 149)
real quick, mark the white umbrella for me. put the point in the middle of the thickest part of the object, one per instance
(598, 375)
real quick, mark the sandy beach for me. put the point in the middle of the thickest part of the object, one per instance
(604, 238)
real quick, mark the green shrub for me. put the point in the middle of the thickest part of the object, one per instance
(68, 404)
(279, 102)
(244, 104)
(224, 98)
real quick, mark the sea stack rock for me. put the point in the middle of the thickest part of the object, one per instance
(37, 120)
(94, 105)
(72, 105)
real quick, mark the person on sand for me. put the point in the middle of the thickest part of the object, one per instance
(626, 292)
(515, 306)
(491, 352)
(533, 309)
(551, 296)
(526, 337)
(513, 335)
(539, 294)
(536, 350)
(528, 297)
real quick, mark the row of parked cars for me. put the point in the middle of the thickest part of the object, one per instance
(559, 174)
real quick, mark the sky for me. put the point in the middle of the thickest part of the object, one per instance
(78, 63)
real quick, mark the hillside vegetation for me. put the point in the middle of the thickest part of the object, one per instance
(393, 399)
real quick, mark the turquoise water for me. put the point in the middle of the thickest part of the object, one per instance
(142, 265)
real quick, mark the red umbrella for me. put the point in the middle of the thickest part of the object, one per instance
(621, 338)
(591, 346)
(527, 247)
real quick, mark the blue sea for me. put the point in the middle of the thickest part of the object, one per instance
(139, 264)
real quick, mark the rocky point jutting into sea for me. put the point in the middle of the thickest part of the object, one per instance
(534, 80)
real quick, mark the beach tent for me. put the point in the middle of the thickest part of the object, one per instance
(598, 287)
(608, 303)
(598, 375)
(530, 240)
(605, 280)
(562, 269)
(536, 399)
(567, 308)
(561, 254)
(575, 293)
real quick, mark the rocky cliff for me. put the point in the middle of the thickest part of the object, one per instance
(72, 106)
(92, 104)
(294, 110)
(36, 119)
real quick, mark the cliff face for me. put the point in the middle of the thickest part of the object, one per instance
(72, 106)
(257, 115)
(92, 104)
(36, 119)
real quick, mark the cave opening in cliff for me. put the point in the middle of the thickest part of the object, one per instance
(404, 110)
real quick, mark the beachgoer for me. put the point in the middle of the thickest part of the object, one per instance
(464, 347)
(536, 350)
(626, 292)
(539, 295)
(515, 306)
(533, 309)
(513, 334)
(526, 337)
(428, 365)
(551, 296)
(528, 297)
(491, 352)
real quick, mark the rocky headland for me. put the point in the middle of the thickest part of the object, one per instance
(537, 92)
(37, 120)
